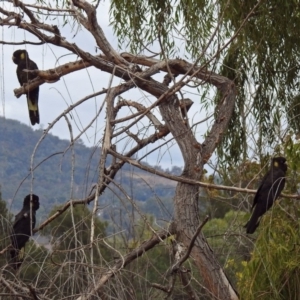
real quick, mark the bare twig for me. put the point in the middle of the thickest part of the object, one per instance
(139, 251)
(188, 252)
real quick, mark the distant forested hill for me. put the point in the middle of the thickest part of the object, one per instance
(53, 180)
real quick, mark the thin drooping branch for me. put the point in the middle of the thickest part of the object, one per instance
(124, 261)
(11, 288)
(17, 290)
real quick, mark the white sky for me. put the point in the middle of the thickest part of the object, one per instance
(55, 98)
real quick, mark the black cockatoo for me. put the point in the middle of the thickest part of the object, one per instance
(269, 190)
(21, 58)
(22, 228)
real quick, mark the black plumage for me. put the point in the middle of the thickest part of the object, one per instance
(22, 228)
(21, 58)
(269, 190)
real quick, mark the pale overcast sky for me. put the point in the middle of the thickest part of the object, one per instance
(55, 98)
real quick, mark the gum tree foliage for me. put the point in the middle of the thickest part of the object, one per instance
(237, 60)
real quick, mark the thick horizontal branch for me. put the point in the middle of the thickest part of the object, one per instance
(47, 8)
(51, 75)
